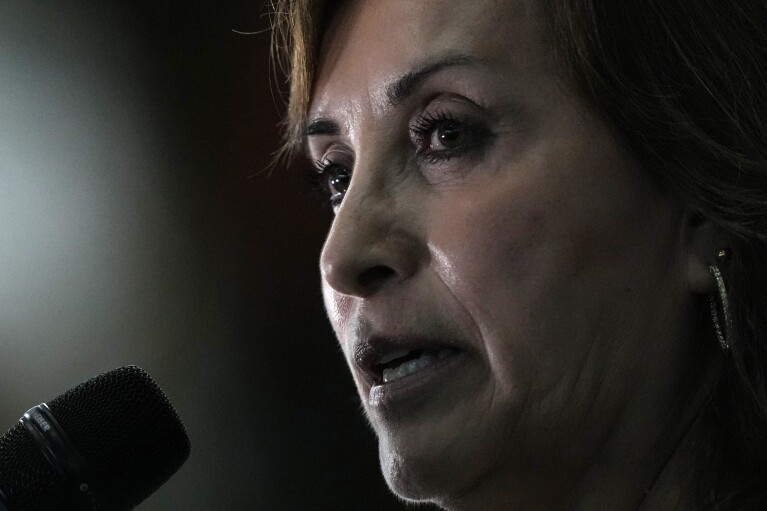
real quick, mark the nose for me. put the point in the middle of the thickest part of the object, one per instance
(371, 244)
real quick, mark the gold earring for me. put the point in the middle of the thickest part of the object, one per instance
(723, 332)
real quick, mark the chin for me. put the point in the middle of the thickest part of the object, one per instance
(427, 466)
(411, 478)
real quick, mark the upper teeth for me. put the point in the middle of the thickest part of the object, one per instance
(393, 356)
(411, 366)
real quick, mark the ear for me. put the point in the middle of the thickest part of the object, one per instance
(703, 240)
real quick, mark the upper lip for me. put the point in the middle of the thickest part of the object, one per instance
(368, 352)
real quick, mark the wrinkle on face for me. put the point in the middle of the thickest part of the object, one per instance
(524, 252)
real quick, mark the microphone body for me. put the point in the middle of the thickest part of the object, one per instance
(105, 445)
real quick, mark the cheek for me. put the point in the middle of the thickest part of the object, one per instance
(482, 249)
(538, 265)
(487, 252)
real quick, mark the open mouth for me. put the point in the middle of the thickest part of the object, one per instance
(401, 363)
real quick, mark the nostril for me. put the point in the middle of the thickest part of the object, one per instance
(375, 276)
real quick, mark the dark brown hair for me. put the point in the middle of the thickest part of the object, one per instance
(684, 86)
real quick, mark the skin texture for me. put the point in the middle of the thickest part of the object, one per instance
(566, 279)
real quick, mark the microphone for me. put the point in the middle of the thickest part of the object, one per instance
(104, 445)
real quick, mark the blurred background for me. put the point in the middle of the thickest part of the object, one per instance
(137, 227)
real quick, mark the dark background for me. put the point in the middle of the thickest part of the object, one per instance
(137, 226)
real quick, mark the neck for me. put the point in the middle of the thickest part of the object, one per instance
(645, 464)
(675, 486)
(659, 477)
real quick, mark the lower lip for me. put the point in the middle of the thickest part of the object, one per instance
(416, 387)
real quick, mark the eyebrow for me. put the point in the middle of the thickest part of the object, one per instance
(407, 84)
(399, 90)
(321, 126)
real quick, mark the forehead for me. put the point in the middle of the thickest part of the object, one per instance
(370, 43)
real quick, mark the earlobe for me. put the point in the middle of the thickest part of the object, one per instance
(705, 247)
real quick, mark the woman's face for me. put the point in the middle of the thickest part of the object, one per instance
(505, 283)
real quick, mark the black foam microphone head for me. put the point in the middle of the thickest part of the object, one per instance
(125, 430)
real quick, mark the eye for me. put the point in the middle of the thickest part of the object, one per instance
(447, 135)
(332, 179)
(438, 136)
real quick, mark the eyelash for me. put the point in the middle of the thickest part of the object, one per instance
(318, 176)
(427, 123)
(421, 130)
